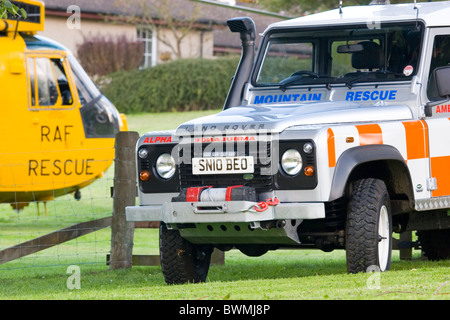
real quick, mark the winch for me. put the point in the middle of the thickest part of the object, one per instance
(210, 194)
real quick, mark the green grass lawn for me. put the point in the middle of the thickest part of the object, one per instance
(286, 275)
(278, 275)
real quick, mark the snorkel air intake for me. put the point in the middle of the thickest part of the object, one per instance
(246, 28)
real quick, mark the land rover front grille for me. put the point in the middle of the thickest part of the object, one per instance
(260, 179)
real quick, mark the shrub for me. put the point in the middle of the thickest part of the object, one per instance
(180, 85)
(100, 56)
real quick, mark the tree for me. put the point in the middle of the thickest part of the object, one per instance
(6, 7)
(158, 15)
(302, 7)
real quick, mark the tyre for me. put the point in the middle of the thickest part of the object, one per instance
(368, 240)
(181, 260)
(435, 244)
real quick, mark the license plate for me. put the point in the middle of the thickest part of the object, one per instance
(222, 165)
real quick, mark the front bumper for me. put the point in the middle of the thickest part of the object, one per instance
(225, 211)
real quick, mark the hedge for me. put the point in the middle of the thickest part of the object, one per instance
(180, 85)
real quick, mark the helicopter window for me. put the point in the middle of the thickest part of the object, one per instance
(47, 86)
(32, 81)
(63, 83)
(48, 83)
(100, 117)
(87, 91)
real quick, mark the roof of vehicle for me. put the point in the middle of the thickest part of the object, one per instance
(432, 13)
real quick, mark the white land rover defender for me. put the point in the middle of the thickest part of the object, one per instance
(333, 136)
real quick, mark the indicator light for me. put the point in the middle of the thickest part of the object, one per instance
(309, 171)
(144, 175)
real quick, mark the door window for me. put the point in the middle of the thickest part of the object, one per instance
(440, 58)
(48, 83)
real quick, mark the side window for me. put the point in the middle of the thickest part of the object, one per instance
(49, 86)
(46, 83)
(63, 82)
(440, 58)
(32, 84)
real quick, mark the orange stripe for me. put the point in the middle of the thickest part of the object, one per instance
(370, 134)
(331, 149)
(416, 139)
(439, 169)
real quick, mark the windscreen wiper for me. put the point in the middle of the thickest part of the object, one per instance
(369, 75)
(296, 76)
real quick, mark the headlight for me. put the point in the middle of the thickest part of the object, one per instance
(165, 166)
(291, 162)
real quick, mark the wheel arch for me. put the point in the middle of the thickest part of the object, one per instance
(382, 162)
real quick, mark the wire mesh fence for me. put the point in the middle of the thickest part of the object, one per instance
(74, 229)
(68, 221)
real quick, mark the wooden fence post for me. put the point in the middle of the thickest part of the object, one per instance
(124, 194)
(406, 251)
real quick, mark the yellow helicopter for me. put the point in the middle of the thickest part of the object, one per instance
(56, 128)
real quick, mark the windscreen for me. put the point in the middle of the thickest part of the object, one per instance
(100, 117)
(340, 56)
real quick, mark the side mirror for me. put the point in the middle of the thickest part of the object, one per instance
(442, 78)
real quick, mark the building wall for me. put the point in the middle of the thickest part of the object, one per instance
(56, 28)
(196, 44)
